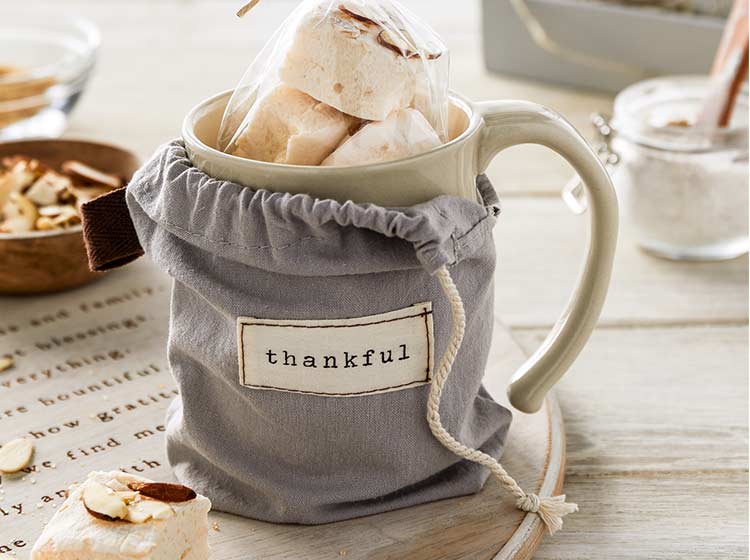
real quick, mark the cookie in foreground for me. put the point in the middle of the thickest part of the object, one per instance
(114, 515)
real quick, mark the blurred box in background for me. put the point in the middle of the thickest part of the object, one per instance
(637, 39)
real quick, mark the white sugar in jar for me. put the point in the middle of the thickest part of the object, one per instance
(683, 195)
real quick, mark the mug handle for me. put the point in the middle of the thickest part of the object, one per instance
(510, 123)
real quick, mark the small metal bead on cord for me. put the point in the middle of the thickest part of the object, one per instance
(550, 509)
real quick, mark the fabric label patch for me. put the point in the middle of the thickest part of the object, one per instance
(338, 357)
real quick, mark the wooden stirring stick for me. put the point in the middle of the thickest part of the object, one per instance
(247, 7)
(729, 70)
(733, 49)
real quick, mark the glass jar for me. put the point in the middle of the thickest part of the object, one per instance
(683, 193)
(45, 64)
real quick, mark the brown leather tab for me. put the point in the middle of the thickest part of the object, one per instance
(111, 240)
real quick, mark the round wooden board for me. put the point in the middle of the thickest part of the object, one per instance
(483, 527)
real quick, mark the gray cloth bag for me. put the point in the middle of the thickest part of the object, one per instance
(252, 258)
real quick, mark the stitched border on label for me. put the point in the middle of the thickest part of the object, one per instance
(428, 377)
(293, 326)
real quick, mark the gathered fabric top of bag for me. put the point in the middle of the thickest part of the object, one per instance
(298, 234)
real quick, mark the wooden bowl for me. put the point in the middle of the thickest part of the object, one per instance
(51, 261)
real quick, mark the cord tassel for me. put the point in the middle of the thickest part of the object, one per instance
(550, 509)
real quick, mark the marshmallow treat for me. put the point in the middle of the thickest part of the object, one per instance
(288, 126)
(137, 527)
(403, 134)
(345, 57)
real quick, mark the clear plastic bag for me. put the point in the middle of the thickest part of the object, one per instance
(342, 82)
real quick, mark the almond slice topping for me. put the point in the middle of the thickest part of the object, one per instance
(359, 17)
(15, 455)
(103, 502)
(398, 44)
(140, 511)
(403, 45)
(126, 496)
(164, 491)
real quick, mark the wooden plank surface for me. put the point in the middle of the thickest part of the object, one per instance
(657, 444)
(700, 516)
(670, 400)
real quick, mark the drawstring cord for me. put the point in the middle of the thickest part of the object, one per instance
(550, 509)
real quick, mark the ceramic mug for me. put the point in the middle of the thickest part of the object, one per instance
(479, 131)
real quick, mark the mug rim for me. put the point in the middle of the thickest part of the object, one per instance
(193, 142)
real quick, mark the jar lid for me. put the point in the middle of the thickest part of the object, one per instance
(659, 113)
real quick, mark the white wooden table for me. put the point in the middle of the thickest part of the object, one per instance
(656, 407)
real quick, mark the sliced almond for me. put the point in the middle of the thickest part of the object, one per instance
(140, 511)
(164, 491)
(55, 217)
(47, 189)
(103, 502)
(45, 223)
(10, 161)
(83, 195)
(41, 193)
(50, 211)
(6, 362)
(348, 25)
(117, 485)
(127, 495)
(20, 175)
(15, 455)
(20, 214)
(398, 44)
(403, 45)
(15, 225)
(54, 210)
(359, 17)
(79, 170)
(28, 163)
